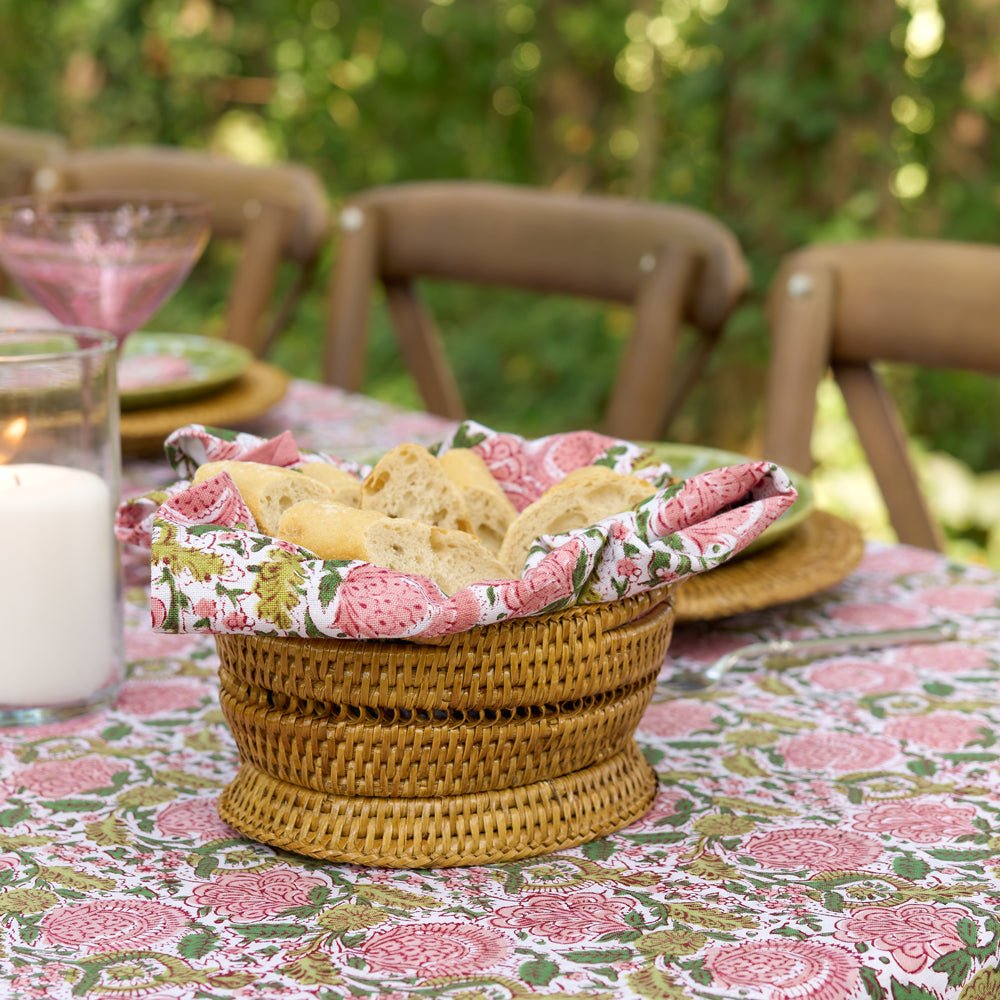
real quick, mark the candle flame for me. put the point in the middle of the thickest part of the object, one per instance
(10, 437)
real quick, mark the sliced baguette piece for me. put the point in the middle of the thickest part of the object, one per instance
(490, 511)
(452, 559)
(345, 487)
(584, 497)
(266, 489)
(408, 482)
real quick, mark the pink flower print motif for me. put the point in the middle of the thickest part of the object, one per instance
(938, 730)
(446, 949)
(877, 616)
(214, 501)
(703, 647)
(841, 752)
(785, 970)
(945, 658)
(964, 600)
(504, 457)
(205, 608)
(915, 934)
(194, 819)
(113, 924)
(549, 581)
(812, 849)
(564, 919)
(255, 895)
(374, 602)
(237, 621)
(923, 821)
(861, 677)
(568, 452)
(54, 779)
(678, 717)
(145, 698)
(628, 569)
(460, 613)
(900, 560)
(664, 805)
(157, 612)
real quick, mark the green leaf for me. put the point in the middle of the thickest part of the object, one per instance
(268, 932)
(278, 587)
(953, 854)
(197, 945)
(116, 732)
(955, 965)
(909, 867)
(328, 585)
(968, 932)
(14, 815)
(939, 689)
(73, 879)
(874, 989)
(833, 901)
(599, 956)
(599, 850)
(167, 550)
(538, 971)
(400, 899)
(313, 969)
(901, 991)
(108, 831)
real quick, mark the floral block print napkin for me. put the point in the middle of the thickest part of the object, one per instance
(213, 571)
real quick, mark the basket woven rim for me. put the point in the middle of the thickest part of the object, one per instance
(521, 661)
(478, 828)
(819, 554)
(259, 388)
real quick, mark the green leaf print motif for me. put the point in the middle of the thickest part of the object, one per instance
(279, 588)
(167, 550)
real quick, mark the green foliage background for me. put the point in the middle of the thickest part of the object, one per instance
(790, 121)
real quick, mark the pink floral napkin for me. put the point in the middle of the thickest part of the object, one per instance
(213, 571)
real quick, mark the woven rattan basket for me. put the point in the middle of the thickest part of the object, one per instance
(499, 743)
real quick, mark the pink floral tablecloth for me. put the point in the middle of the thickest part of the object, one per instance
(824, 832)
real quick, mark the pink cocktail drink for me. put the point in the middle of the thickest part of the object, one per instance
(116, 291)
(105, 261)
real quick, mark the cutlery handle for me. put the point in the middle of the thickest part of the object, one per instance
(786, 652)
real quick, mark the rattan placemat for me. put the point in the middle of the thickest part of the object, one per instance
(819, 554)
(250, 396)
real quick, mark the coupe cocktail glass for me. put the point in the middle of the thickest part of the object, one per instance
(104, 259)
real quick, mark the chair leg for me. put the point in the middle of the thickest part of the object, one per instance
(640, 401)
(801, 306)
(349, 313)
(884, 440)
(420, 344)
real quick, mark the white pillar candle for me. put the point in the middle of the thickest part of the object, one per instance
(58, 589)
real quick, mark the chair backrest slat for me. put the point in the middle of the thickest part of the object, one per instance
(588, 246)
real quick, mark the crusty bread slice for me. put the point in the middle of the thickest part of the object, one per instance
(266, 489)
(490, 511)
(584, 497)
(452, 559)
(408, 482)
(345, 487)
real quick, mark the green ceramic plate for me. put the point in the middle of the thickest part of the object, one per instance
(688, 460)
(161, 368)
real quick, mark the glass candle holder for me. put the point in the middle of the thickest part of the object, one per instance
(60, 580)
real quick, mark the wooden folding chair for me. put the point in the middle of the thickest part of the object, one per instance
(673, 264)
(22, 152)
(844, 307)
(277, 213)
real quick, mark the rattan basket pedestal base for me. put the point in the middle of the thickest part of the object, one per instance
(502, 742)
(480, 828)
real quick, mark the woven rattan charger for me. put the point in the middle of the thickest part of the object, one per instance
(143, 431)
(504, 742)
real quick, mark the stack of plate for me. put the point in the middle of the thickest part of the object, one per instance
(167, 380)
(801, 554)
